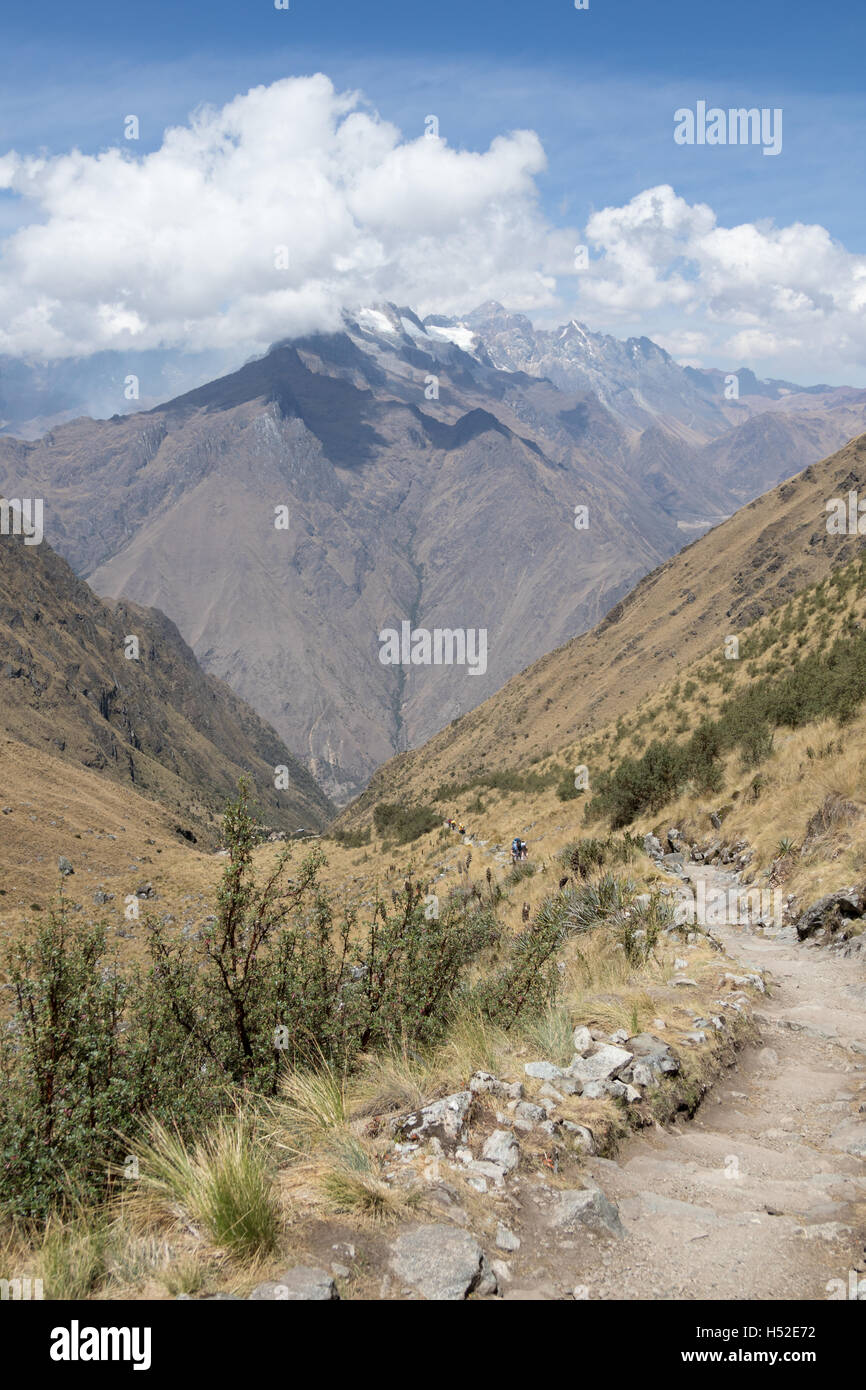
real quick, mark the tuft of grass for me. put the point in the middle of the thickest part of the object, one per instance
(223, 1183)
(72, 1257)
(186, 1275)
(519, 871)
(632, 1010)
(550, 1034)
(639, 928)
(136, 1257)
(314, 1105)
(394, 1081)
(353, 1184)
(474, 1043)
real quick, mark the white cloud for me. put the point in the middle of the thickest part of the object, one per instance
(176, 248)
(755, 292)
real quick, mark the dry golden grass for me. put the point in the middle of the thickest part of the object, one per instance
(220, 1187)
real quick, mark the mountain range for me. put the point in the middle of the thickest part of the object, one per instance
(407, 470)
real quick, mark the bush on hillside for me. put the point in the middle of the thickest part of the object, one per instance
(503, 780)
(814, 687)
(352, 839)
(403, 824)
(279, 977)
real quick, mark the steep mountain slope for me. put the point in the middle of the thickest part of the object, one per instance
(420, 483)
(455, 513)
(685, 609)
(155, 721)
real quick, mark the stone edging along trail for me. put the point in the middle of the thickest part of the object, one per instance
(762, 1195)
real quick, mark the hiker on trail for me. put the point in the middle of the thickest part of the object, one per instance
(515, 849)
(461, 828)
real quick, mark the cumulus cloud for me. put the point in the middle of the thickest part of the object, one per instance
(262, 219)
(267, 216)
(752, 292)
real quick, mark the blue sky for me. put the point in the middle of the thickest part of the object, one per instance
(598, 86)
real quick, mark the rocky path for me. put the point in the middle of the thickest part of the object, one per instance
(763, 1194)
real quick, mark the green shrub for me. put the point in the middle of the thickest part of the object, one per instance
(404, 823)
(584, 856)
(639, 929)
(519, 871)
(352, 839)
(526, 985)
(279, 977)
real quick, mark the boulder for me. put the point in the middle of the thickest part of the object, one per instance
(754, 980)
(586, 1207)
(652, 846)
(550, 1095)
(600, 1064)
(543, 1071)
(582, 1041)
(502, 1149)
(445, 1120)
(484, 1168)
(64, 866)
(829, 911)
(581, 1137)
(302, 1283)
(651, 1059)
(441, 1263)
(527, 1115)
(505, 1239)
(597, 1090)
(484, 1081)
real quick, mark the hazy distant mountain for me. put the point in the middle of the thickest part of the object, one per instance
(635, 378)
(427, 480)
(36, 395)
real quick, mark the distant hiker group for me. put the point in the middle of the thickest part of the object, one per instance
(456, 825)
